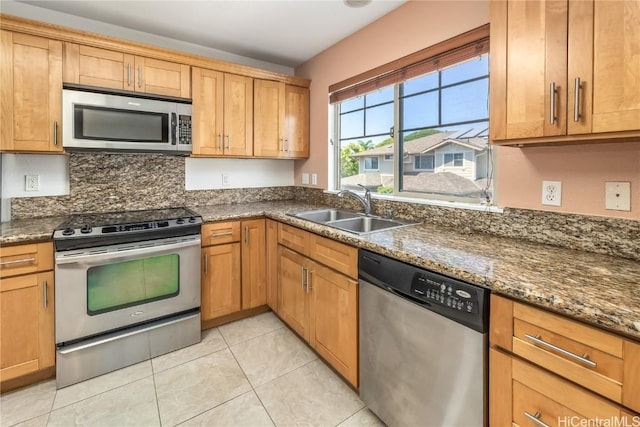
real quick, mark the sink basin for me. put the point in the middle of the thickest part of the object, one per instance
(366, 224)
(325, 215)
(352, 222)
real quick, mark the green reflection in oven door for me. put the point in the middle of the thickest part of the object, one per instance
(128, 283)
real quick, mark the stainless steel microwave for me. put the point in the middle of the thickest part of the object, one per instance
(111, 122)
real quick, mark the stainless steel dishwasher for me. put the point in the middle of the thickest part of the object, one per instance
(423, 345)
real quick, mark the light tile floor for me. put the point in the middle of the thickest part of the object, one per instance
(253, 372)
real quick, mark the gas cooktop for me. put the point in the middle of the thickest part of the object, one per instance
(117, 227)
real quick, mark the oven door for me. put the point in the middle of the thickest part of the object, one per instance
(106, 288)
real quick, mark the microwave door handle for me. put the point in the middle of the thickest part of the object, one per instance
(174, 125)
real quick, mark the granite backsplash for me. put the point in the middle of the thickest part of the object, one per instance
(115, 182)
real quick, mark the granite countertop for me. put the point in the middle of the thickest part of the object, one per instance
(597, 289)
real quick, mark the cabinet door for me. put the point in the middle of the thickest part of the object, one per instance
(536, 60)
(238, 115)
(220, 281)
(293, 304)
(334, 319)
(268, 119)
(296, 122)
(254, 268)
(162, 77)
(616, 67)
(26, 324)
(207, 112)
(98, 67)
(31, 93)
(272, 264)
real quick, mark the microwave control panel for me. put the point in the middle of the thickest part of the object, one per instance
(184, 129)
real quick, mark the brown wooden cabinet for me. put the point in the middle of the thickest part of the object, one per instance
(272, 264)
(221, 270)
(27, 342)
(318, 295)
(105, 68)
(281, 120)
(583, 367)
(222, 114)
(31, 93)
(254, 266)
(233, 267)
(564, 71)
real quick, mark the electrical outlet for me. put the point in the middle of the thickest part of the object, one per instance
(305, 178)
(551, 193)
(314, 179)
(31, 182)
(618, 195)
(226, 180)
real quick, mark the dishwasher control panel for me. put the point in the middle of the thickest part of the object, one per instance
(448, 293)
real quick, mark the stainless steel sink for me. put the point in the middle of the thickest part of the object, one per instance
(352, 221)
(325, 215)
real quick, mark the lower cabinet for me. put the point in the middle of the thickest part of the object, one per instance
(233, 275)
(221, 286)
(319, 303)
(27, 342)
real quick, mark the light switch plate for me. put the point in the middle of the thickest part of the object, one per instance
(617, 195)
(305, 178)
(314, 179)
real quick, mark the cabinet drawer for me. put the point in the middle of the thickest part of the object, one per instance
(220, 232)
(23, 259)
(336, 255)
(598, 360)
(293, 238)
(552, 400)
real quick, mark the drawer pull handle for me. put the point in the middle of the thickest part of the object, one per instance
(45, 294)
(17, 261)
(225, 233)
(582, 359)
(302, 276)
(536, 419)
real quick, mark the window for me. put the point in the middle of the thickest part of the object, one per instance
(443, 110)
(424, 162)
(371, 163)
(454, 159)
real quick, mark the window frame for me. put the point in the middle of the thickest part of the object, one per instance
(377, 159)
(360, 85)
(453, 159)
(433, 162)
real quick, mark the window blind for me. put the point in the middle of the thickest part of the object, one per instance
(449, 52)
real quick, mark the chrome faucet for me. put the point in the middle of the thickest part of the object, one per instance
(366, 200)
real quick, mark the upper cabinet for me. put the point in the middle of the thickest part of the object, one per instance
(564, 71)
(31, 91)
(222, 120)
(92, 66)
(281, 120)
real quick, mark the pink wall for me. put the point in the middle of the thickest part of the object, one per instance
(583, 169)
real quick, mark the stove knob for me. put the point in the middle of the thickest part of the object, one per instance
(180, 221)
(86, 229)
(68, 232)
(192, 219)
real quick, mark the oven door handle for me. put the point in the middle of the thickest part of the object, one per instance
(123, 254)
(115, 337)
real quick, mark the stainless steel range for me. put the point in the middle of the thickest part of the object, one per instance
(127, 289)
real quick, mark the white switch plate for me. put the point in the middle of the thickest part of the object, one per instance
(226, 180)
(305, 178)
(551, 193)
(314, 179)
(617, 195)
(31, 182)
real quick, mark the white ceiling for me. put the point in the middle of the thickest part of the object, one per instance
(285, 32)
